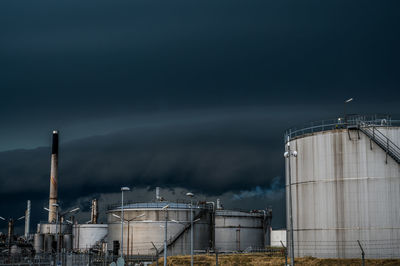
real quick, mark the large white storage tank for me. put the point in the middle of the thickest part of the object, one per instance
(240, 231)
(346, 187)
(141, 233)
(88, 236)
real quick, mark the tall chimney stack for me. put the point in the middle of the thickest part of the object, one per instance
(95, 212)
(27, 218)
(53, 178)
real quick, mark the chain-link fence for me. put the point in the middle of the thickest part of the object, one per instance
(71, 259)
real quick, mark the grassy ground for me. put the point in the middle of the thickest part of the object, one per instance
(263, 259)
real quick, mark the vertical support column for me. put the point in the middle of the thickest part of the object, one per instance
(191, 232)
(27, 218)
(165, 238)
(53, 178)
(122, 223)
(238, 239)
(94, 212)
(285, 250)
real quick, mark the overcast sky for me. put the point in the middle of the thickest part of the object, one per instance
(186, 95)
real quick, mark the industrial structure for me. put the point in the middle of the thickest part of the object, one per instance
(242, 231)
(214, 228)
(90, 235)
(345, 185)
(53, 197)
(59, 233)
(56, 234)
(342, 188)
(148, 229)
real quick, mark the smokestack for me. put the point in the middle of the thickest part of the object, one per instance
(10, 232)
(27, 218)
(158, 198)
(53, 178)
(95, 212)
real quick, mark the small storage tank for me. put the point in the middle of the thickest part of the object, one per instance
(49, 242)
(38, 243)
(67, 242)
(239, 231)
(345, 187)
(278, 237)
(87, 236)
(15, 250)
(148, 228)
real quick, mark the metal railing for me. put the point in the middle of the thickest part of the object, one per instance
(177, 204)
(340, 123)
(383, 141)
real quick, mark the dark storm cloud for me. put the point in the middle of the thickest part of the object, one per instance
(64, 63)
(212, 153)
(108, 56)
(189, 94)
(209, 153)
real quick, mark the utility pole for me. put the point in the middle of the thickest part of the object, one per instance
(122, 219)
(289, 153)
(190, 194)
(165, 208)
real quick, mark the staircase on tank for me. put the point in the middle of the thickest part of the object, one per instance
(382, 141)
(187, 226)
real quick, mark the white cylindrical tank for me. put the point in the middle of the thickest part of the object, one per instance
(38, 243)
(49, 243)
(278, 237)
(87, 236)
(140, 234)
(67, 242)
(343, 191)
(239, 231)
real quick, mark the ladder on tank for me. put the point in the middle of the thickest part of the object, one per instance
(382, 141)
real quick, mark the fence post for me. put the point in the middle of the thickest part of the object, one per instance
(285, 249)
(362, 254)
(216, 257)
(156, 252)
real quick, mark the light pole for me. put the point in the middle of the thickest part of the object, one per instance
(287, 155)
(122, 219)
(165, 208)
(190, 194)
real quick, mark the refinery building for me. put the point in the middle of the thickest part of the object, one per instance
(150, 226)
(342, 197)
